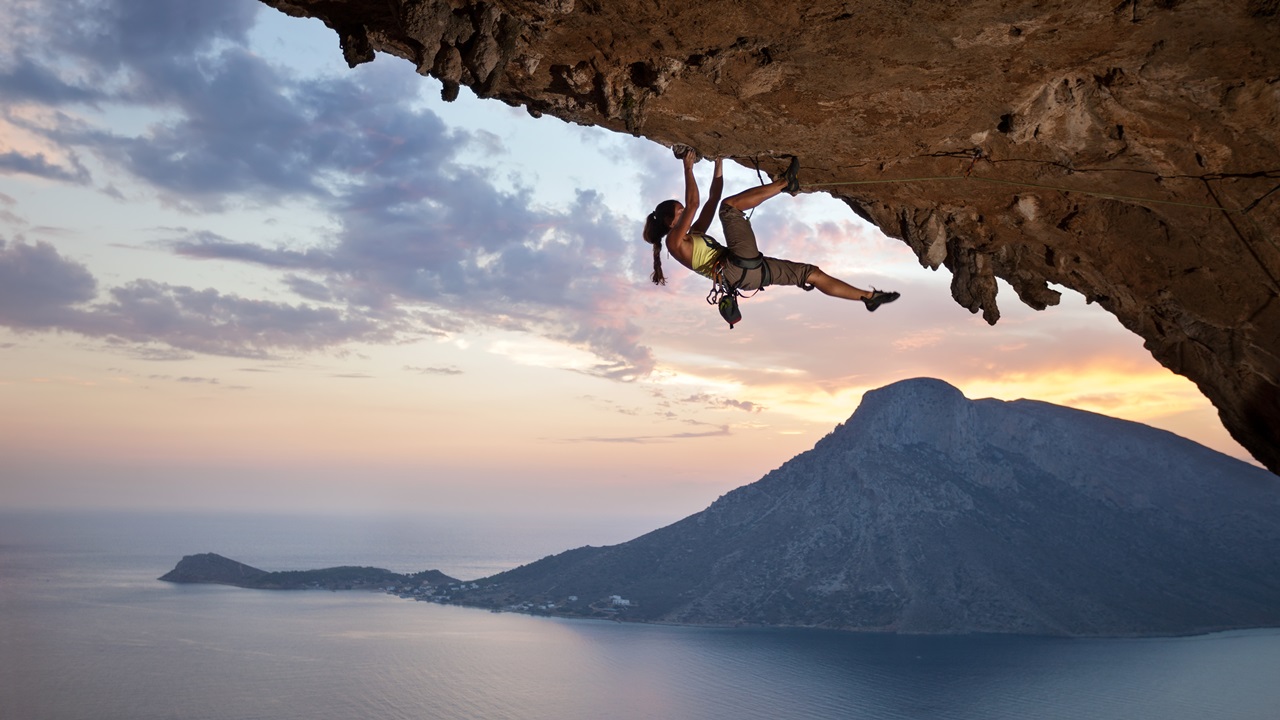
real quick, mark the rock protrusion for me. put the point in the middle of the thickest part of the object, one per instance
(1130, 153)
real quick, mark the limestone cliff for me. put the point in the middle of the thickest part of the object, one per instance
(1127, 149)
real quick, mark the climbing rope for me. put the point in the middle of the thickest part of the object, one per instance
(977, 155)
(1019, 183)
(1227, 212)
(968, 175)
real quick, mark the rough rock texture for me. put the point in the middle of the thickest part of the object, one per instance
(1127, 149)
(930, 513)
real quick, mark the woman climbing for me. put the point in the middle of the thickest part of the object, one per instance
(740, 266)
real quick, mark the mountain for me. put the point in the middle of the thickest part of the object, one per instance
(926, 512)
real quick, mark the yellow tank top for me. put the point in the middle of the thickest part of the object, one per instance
(706, 251)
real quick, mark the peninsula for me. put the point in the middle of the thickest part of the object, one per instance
(927, 512)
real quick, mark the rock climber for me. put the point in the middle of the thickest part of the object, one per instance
(741, 265)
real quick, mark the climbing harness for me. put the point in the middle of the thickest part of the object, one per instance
(725, 294)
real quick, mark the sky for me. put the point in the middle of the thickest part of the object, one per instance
(237, 275)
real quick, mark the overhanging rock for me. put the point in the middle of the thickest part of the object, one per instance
(1128, 149)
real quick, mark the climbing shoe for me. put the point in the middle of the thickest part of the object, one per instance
(793, 176)
(878, 298)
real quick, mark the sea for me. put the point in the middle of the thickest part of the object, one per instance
(88, 632)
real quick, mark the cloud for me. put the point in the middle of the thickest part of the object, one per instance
(38, 165)
(415, 228)
(98, 40)
(233, 124)
(193, 380)
(41, 290)
(433, 370)
(309, 289)
(711, 401)
(721, 431)
(208, 245)
(208, 321)
(38, 288)
(486, 256)
(660, 177)
(26, 80)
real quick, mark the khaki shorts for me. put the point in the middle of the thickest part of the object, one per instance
(741, 241)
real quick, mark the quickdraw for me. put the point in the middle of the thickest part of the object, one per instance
(725, 294)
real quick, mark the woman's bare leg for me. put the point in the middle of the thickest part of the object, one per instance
(835, 287)
(752, 197)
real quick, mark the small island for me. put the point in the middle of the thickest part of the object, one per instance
(215, 569)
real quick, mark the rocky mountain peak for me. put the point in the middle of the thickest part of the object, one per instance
(917, 411)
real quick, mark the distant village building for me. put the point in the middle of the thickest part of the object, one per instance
(619, 601)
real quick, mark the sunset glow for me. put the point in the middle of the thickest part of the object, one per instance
(266, 281)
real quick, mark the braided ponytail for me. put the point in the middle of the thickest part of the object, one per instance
(657, 277)
(656, 227)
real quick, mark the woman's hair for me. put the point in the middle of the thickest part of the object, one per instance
(656, 227)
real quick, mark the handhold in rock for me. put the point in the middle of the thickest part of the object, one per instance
(680, 150)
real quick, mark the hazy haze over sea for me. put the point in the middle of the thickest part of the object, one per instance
(87, 632)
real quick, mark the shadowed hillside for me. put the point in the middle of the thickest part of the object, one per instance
(930, 513)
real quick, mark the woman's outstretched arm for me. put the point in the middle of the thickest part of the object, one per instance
(678, 237)
(713, 200)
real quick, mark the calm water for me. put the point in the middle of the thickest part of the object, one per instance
(87, 632)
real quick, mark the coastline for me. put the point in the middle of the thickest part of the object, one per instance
(435, 587)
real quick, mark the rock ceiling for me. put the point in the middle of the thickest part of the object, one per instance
(1126, 149)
